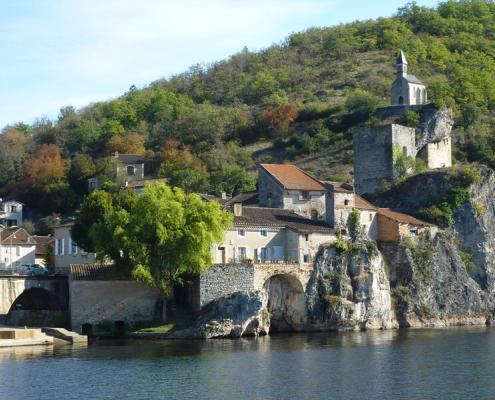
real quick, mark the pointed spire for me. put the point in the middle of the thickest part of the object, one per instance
(402, 58)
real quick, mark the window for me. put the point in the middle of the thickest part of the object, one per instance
(314, 215)
(269, 195)
(262, 254)
(17, 251)
(305, 195)
(73, 247)
(263, 233)
(346, 202)
(241, 253)
(241, 232)
(371, 216)
(306, 237)
(131, 170)
(13, 209)
(404, 150)
(60, 247)
(305, 258)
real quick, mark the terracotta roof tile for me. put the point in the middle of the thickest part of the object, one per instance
(96, 272)
(16, 235)
(280, 218)
(362, 204)
(292, 177)
(400, 217)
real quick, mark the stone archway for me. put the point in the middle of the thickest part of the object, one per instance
(286, 303)
(35, 307)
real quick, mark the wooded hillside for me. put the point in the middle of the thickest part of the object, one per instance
(293, 101)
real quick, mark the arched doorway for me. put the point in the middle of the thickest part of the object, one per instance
(35, 307)
(401, 100)
(286, 303)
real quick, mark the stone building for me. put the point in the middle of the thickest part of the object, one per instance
(394, 226)
(127, 168)
(271, 235)
(103, 302)
(17, 247)
(407, 89)
(11, 212)
(66, 250)
(437, 154)
(341, 200)
(287, 186)
(374, 148)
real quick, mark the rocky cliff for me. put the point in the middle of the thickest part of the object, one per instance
(349, 289)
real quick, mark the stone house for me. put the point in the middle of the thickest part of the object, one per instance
(66, 250)
(102, 301)
(271, 235)
(11, 213)
(17, 247)
(128, 168)
(407, 89)
(288, 187)
(395, 226)
(437, 154)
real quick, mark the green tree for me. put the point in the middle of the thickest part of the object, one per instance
(354, 224)
(156, 237)
(232, 179)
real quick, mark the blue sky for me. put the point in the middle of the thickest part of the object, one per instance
(71, 52)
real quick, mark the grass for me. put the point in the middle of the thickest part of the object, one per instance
(156, 329)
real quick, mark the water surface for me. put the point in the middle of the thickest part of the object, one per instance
(412, 364)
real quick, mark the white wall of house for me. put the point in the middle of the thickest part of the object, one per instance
(253, 243)
(11, 213)
(66, 251)
(15, 255)
(368, 221)
(309, 244)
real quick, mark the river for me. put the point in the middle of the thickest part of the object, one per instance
(406, 364)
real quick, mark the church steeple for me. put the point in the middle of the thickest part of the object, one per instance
(402, 64)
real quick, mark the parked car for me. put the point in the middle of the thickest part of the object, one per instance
(32, 270)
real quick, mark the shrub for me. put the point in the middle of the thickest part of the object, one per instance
(410, 118)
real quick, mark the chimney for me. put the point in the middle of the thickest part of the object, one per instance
(237, 209)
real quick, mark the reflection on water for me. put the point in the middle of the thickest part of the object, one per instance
(406, 364)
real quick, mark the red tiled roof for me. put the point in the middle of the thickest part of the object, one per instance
(362, 204)
(292, 177)
(16, 235)
(339, 187)
(403, 218)
(96, 272)
(43, 243)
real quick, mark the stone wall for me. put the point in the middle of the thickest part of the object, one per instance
(223, 280)
(270, 192)
(102, 303)
(373, 154)
(437, 154)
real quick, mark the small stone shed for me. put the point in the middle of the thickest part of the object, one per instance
(103, 302)
(393, 226)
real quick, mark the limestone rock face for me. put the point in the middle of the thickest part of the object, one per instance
(431, 286)
(349, 291)
(435, 125)
(241, 314)
(474, 225)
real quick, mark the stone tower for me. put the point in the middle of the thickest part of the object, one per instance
(407, 89)
(374, 148)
